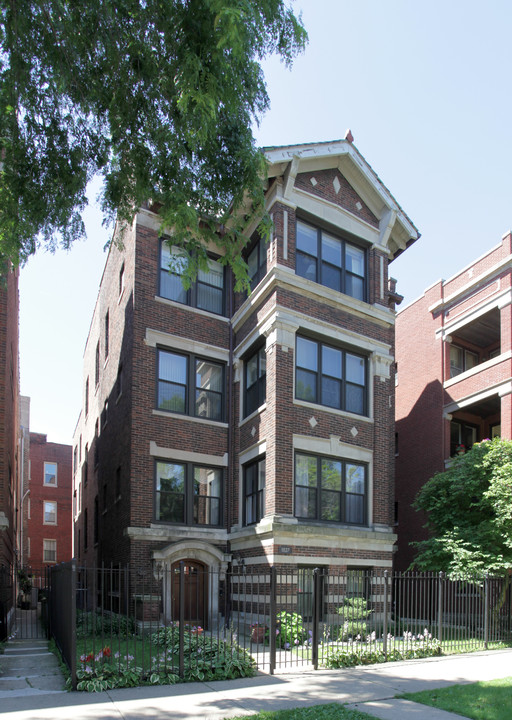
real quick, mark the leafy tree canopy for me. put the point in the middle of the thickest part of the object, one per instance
(158, 96)
(469, 510)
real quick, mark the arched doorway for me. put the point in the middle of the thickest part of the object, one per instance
(197, 555)
(195, 592)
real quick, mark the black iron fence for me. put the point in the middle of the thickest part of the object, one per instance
(181, 621)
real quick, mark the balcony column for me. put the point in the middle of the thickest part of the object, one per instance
(506, 416)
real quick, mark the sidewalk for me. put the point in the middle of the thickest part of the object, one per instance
(371, 689)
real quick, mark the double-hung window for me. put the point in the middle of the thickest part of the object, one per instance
(255, 381)
(190, 385)
(50, 512)
(50, 551)
(205, 293)
(257, 262)
(330, 376)
(330, 260)
(254, 491)
(50, 473)
(331, 490)
(188, 494)
(461, 360)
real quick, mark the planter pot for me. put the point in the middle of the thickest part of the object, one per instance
(258, 634)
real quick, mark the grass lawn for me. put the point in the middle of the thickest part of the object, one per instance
(333, 711)
(490, 700)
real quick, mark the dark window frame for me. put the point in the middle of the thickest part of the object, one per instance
(461, 446)
(190, 512)
(465, 352)
(255, 395)
(321, 490)
(258, 248)
(323, 264)
(321, 377)
(191, 294)
(256, 496)
(190, 387)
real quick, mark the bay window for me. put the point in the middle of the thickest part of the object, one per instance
(330, 260)
(330, 490)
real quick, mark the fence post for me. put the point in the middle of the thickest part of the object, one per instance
(317, 591)
(181, 626)
(385, 624)
(486, 612)
(72, 591)
(440, 608)
(272, 619)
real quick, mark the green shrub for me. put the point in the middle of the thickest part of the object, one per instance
(361, 653)
(289, 630)
(354, 613)
(104, 624)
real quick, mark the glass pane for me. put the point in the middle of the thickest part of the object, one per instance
(331, 277)
(355, 369)
(455, 361)
(354, 259)
(208, 404)
(355, 479)
(209, 376)
(253, 261)
(172, 367)
(305, 502)
(172, 288)
(331, 250)
(307, 239)
(331, 392)
(305, 470)
(471, 360)
(207, 481)
(50, 473)
(307, 354)
(261, 474)
(331, 361)
(262, 356)
(354, 509)
(306, 266)
(331, 475)
(354, 286)
(355, 399)
(252, 370)
(331, 506)
(170, 507)
(214, 276)
(306, 385)
(171, 397)
(209, 298)
(170, 477)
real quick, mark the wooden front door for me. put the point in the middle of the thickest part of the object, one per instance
(195, 592)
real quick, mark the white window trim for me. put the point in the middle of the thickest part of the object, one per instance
(52, 502)
(55, 484)
(51, 540)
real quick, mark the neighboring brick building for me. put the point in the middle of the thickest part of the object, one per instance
(9, 416)
(49, 531)
(454, 370)
(219, 428)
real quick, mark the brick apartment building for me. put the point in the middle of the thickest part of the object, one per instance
(454, 377)
(9, 417)
(222, 428)
(48, 533)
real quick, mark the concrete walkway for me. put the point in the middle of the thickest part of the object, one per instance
(369, 689)
(28, 668)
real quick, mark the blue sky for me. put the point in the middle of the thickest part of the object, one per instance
(425, 88)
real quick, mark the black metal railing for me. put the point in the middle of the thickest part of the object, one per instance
(167, 620)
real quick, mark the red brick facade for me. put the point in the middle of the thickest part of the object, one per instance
(453, 350)
(126, 511)
(48, 534)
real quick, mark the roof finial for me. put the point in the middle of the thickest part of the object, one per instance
(349, 136)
